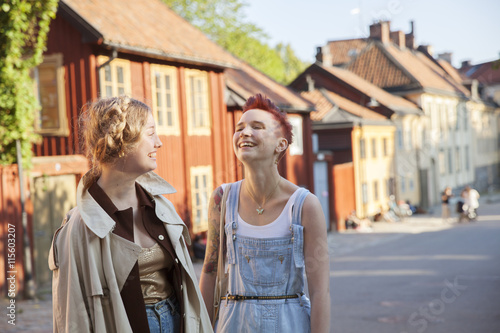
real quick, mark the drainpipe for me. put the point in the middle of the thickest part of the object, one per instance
(114, 55)
(29, 284)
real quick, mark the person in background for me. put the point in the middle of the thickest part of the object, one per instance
(473, 202)
(120, 260)
(445, 204)
(275, 233)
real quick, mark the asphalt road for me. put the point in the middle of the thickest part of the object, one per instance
(436, 282)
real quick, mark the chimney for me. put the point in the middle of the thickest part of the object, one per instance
(398, 38)
(446, 56)
(381, 31)
(323, 55)
(310, 83)
(410, 37)
(466, 63)
(426, 48)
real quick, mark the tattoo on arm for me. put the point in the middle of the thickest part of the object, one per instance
(213, 241)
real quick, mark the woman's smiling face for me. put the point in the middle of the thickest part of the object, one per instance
(143, 158)
(257, 135)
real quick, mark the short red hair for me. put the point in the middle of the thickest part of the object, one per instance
(261, 102)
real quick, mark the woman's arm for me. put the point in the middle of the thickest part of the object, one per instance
(209, 272)
(317, 263)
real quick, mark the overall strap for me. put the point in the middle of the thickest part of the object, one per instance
(232, 221)
(297, 205)
(297, 228)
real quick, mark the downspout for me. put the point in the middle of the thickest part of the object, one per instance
(114, 55)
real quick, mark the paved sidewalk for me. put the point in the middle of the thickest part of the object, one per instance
(36, 315)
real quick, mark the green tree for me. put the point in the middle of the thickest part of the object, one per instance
(225, 23)
(24, 26)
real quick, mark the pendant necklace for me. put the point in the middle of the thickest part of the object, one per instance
(260, 210)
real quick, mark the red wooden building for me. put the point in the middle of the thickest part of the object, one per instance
(143, 49)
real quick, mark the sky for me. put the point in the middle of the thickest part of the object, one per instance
(470, 30)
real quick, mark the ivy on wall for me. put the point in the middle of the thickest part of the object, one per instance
(24, 26)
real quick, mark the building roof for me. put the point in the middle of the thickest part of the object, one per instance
(144, 27)
(487, 73)
(450, 70)
(246, 81)
(333, 108)
(342, 51)
(394, 68)
(395, 103)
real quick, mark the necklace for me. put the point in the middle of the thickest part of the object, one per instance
(260, 210)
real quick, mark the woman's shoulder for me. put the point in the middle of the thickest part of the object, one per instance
(72, 226)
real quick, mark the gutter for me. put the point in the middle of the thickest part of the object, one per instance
(168, 56)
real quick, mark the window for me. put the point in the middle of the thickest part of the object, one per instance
(51, 119)
(402, 184)
(296, 148)
(450, 162)
(442, 162)
(400, 138)
(374, 148)
(165, 105)
(198, 105)
(362, 152)
(114, 78)
(411, 184)
(201, 189)
(465, 117)
(387, 187)
(384, 143)
(408, 138)
(375, 190)
(467, 165)
(364, 189)
(458, 164)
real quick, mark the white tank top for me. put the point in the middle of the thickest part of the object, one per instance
(278, 228)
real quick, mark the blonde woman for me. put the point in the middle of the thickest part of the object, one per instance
(275, 235)
(120, 260)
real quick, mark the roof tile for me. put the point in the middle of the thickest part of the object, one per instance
(149, 25)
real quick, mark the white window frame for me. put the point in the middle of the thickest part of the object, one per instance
(199, 208)
(297, 146)
(116, 87)
(199, 118)
(58, 101)
(162, 107)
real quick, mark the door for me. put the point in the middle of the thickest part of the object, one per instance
(53, 197)
(321, 188)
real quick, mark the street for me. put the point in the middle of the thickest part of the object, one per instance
(440, 281)
(419, 275)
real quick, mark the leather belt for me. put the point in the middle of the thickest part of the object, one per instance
(242, 298)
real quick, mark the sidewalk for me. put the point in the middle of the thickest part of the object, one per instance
(36, 315)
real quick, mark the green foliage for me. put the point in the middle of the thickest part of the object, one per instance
(224, 22)
(24, 26)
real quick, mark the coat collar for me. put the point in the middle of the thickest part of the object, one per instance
(96, 218)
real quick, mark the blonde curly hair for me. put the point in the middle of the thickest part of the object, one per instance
(111, 128)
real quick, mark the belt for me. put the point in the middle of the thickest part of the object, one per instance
(242, 298)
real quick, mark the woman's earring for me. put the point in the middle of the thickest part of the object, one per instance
(121, 154)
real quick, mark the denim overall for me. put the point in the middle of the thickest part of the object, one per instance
(264, 267)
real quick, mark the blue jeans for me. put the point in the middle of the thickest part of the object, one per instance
(164, 317)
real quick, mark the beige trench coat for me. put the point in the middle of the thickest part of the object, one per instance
(90, 265)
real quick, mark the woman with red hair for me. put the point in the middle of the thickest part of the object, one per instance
(274, 235)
